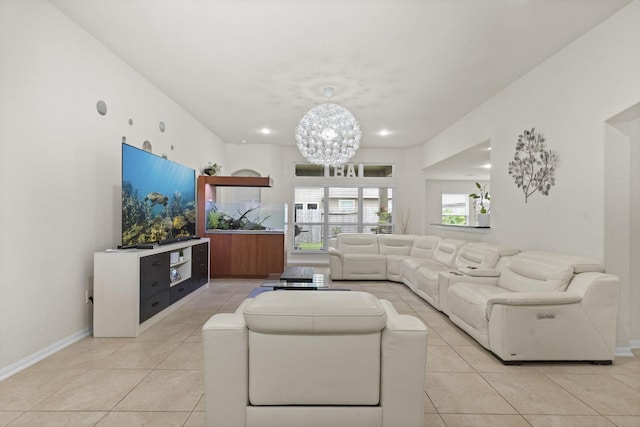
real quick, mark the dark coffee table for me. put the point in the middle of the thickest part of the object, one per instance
(297, 278)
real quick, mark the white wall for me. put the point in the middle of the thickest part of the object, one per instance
(568, 98)
(634, 234)
(60, 168)
(433, 208)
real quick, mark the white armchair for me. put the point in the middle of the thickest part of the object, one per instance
(302, 358)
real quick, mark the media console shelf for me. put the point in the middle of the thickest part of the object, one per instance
(135, 288)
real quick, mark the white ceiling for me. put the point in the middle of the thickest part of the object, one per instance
(410, 66)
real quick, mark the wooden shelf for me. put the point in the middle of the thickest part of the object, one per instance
(236, 181)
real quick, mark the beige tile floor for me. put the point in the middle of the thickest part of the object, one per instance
(156, 379)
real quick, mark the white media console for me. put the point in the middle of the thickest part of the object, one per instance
(135, 288)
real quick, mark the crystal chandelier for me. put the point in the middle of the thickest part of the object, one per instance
(328, 134)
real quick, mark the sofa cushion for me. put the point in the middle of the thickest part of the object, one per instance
(477, 254)
(315, 312)
(343, 368)
(427, 280)
(395, 244)
(535, 274)
(447, 251)
(469, 303)
(356, 243)
(423, 246)
(364, 267)
(580, 264)
(394, 266)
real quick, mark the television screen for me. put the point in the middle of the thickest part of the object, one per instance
(158, 198)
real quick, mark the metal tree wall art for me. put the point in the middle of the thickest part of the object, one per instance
(533, 166)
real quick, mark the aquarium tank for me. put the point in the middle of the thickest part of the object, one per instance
(158, 198)
(245, 216)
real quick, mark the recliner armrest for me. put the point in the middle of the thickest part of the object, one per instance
(457, 277)
(479, 272)
(532, 299)
(335, 252)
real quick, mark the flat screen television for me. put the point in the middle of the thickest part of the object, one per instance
(158, 199)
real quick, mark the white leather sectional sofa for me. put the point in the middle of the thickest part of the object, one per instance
(522, 306)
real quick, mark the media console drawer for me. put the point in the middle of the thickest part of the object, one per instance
(154, 304)
(154, 276)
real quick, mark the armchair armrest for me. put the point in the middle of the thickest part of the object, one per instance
(404, 353)
(225, 340)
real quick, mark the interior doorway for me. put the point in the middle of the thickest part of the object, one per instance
(622, 219)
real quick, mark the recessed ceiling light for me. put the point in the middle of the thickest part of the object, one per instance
(383, 132)
(244, 141)
(487, 166)
(265, 131)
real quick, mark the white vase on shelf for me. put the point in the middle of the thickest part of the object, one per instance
(482, 220)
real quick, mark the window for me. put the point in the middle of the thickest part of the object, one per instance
(455, 209)
(347, 204)
(333, 210)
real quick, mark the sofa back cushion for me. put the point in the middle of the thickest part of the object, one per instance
(395, 244)
(482, 254)
(580, 264)
(535, 274)
(357, 243)
(477, 255)
(447, 251)
(423, 246)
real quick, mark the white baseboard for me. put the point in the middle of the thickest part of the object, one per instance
(623, 352)
(34, 358)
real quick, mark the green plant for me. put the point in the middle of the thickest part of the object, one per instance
(211, 169)
(449, 218)
(480, 198)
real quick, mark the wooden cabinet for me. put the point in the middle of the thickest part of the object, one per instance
(252, 255)
(134, 288)
(239, 254)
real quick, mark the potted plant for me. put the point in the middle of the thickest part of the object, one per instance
(481, 205)
(211, 169)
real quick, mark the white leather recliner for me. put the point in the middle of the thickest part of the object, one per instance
(357, 256)
(542, 306)
(304, 358)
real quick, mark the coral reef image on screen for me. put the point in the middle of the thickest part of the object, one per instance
(158, 198)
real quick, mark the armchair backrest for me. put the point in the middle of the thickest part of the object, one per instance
(314, 348)
(358, 243)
